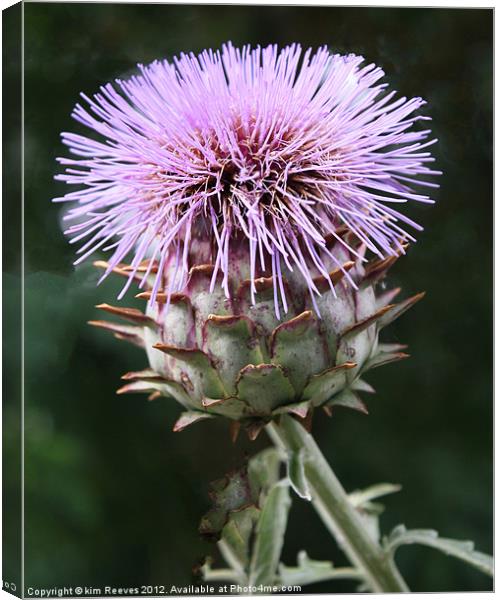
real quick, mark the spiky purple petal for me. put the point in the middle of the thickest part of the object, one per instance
(272, 149)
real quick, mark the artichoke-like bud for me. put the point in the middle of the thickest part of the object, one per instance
(239, 496)
(243, 358)
(244, 186)
(248, 518)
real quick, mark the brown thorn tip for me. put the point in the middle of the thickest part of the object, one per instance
(308, 421)
(160, 297)
(335, 276)
(234, 430)
(253, 430)
(129, 314)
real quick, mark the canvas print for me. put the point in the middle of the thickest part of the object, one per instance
(247, 300)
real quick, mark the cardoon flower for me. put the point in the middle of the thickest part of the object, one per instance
(250, 194)
(248, 188)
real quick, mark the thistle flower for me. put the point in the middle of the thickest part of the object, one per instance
(249, 188)
(270, 149)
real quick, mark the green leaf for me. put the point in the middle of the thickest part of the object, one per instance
(336, 315)
(360, 497)
(383, 358)
(262, 310)
(210, 574)
(463, 550)
(264, 470)
(231, 408)
(297, 408)
(387, 297)
(296, 474)
(195, 368)
(232, 560)
(232, 344)
(313, 571)
(264, 387)
(323, 386)
(178, 323)
(349, 399)
(188, 418)
(364, 323)
(129, 333)
(270, 535)
(364, 587)
(297, 346)
(237, 531)
(397, 310)
(362, 386)
(166, 387)
(204, 301)
(370, 511)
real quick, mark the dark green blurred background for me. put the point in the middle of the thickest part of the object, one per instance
(113, 497)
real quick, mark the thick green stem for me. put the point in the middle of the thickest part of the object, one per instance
(337, 512)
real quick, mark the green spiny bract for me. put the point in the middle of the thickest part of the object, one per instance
(227, 354)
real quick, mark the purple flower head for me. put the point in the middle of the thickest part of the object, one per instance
(264, 149)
